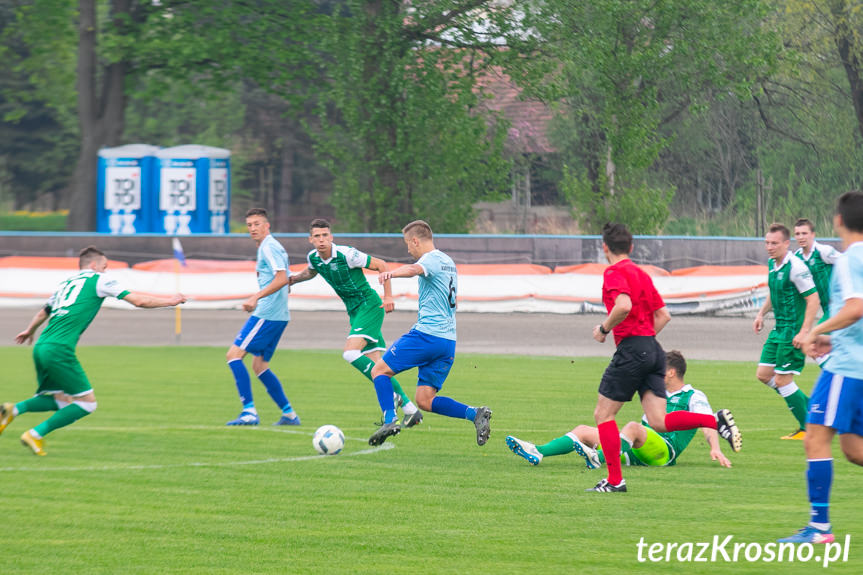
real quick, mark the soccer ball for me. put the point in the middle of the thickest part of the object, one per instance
(328, 440)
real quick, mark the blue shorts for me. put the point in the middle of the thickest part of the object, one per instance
(431, 354)
(837, 402)
(260, 337)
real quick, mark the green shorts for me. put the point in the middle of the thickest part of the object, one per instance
(58, 370)
(366, 322)
(655, 452)
(780, 353)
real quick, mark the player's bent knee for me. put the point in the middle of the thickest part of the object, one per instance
(88, 406)
(351, 355)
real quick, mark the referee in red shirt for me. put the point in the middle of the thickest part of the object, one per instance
(636, 313)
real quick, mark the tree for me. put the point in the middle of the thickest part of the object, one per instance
(142, 47)
(400, 125)
(621, 69)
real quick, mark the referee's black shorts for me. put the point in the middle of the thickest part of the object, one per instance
(638, 365)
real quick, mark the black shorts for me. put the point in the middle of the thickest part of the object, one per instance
(637, 365)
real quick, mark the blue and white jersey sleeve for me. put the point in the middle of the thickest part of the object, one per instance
(438, 290)
(846, 283)
(272, 258)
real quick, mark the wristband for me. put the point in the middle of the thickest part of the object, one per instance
(604, 331)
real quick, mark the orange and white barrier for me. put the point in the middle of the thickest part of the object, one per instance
(482, 287)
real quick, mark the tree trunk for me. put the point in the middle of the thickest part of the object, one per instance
(844, 37)
(285, 193)
(101, 117)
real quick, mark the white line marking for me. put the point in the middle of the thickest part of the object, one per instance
(384, 447)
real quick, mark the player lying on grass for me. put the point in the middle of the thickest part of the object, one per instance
(641, 445)
(63, 385)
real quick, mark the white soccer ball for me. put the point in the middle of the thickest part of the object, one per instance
(328, 440)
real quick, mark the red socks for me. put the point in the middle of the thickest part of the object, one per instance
(680, 420)
(609, 438)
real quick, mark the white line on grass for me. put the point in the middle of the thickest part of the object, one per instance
(119, 467)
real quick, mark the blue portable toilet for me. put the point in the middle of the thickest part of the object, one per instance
(125, 189)
(194, 190)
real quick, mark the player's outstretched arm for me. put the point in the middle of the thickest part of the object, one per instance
(153, 301)
(715, 452)
(407, 271)
(850, 313)
(380, 266)
(303, 276)
(26, 336)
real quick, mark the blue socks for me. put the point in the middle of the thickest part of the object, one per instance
(241, 378)
(452, 408)
(819, 476)
(274, 388)
(384, 391)
(267, 377)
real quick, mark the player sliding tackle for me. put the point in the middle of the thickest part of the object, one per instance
(641, 444)
(430, 345)
(636, 313)
(63, 385)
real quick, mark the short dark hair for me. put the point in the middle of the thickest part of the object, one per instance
(805, 222)
(617, 238)
(418, 228)
(319, 223)
(849, 207)
(674, 359)
(776, 227)
(258, 212)
(87, 255)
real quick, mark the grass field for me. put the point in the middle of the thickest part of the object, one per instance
(153, 482)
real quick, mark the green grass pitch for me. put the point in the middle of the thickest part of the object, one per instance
(153, 482)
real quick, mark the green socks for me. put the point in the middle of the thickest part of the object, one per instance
(37, 403)
(559, 446)
(364, 365)
(69, 414)
(797, 402)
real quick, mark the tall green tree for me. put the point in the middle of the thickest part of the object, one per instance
(92, 55)
(621, 69)
(400, 124)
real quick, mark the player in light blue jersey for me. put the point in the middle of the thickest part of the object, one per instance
(430, 344)
(836, 405)
(261, 333)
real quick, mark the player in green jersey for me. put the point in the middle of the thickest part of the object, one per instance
(342, 268)
(63, 385)
(641, 445)
(819, 258)
(794, 300)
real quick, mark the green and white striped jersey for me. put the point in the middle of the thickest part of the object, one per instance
(344, 272)
(789, 283)
(74, 305)
(820, 263)
(687, 398)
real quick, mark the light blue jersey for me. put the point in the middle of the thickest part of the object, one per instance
(272, 258)
(438, 288)
(846, 283)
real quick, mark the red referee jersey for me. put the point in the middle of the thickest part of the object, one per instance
(626, 277)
